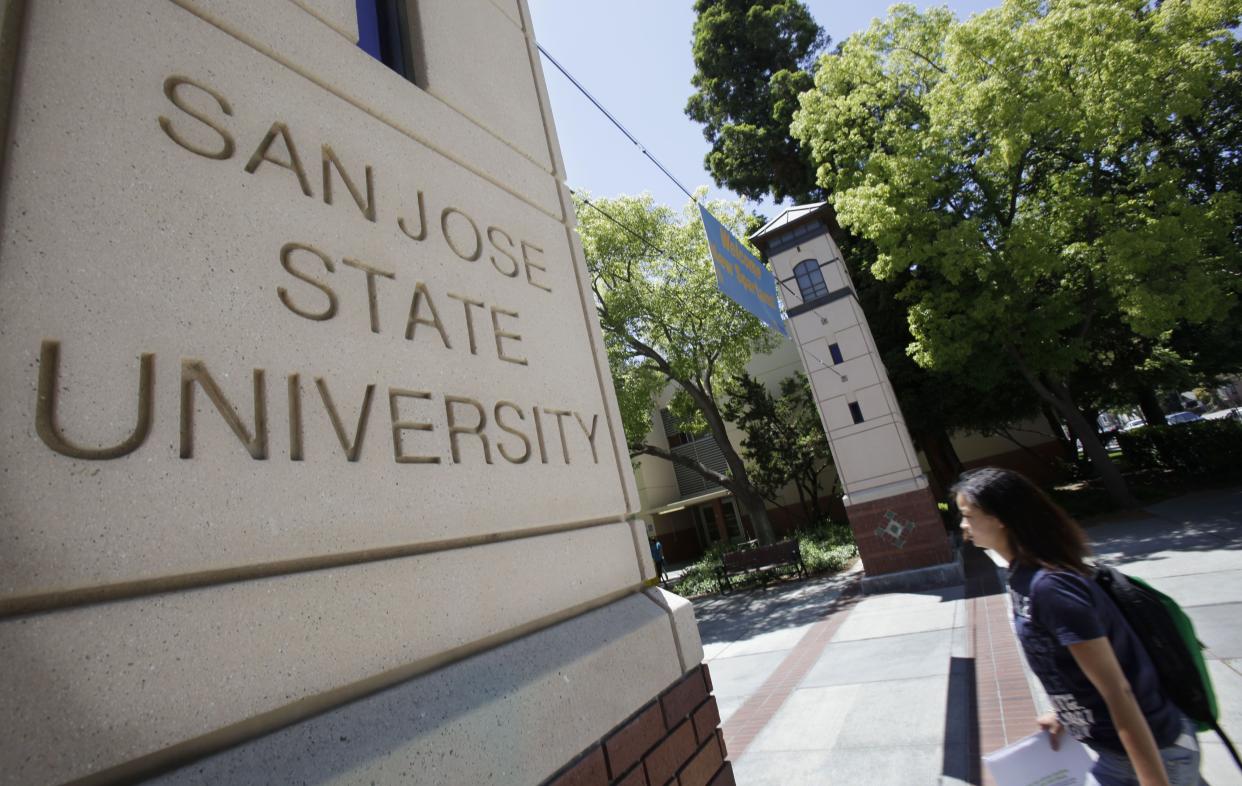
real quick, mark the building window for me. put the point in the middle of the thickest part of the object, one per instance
(810, 280)
(856, 412)
(835, 351)
(384, 33)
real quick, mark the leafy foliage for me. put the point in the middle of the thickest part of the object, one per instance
(785, 441)
(751, 62)
(665, 322)
(1025, 172)
(1204, 447)
(825, 549)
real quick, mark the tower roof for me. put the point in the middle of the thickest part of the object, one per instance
(794, 225)
(788, 217)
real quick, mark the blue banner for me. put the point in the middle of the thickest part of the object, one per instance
(741, 276)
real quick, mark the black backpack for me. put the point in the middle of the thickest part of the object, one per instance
(1169, 638)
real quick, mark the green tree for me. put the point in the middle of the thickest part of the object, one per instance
(785, 441)
(751, 61)
(665, 322)
(1012, 168)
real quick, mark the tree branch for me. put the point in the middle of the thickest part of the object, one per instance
(643, 449)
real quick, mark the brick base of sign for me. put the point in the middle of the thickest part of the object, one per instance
(674, 739)
(898, 533)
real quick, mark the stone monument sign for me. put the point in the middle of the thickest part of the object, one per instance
(305, 422)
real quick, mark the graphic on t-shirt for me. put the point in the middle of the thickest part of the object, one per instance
(1076, 718)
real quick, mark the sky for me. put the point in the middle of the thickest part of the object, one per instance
(634, 57)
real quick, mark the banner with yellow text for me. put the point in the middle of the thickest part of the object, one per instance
(741, 276)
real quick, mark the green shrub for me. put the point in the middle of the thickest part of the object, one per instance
(1200, 448)
(827, 549)
(824, 549)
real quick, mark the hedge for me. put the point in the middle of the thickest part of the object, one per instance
(1198, 448)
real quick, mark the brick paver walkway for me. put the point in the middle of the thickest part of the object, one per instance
(749, 719)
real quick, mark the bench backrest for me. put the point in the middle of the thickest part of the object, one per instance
(785, 551)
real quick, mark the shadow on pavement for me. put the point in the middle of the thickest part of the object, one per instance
(744, 614)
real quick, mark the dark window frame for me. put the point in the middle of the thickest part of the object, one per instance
(856, 412)
(835, 351)
(384, 32)
(810, 278)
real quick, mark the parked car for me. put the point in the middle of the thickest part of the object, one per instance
(1133, 424)
(1181, 417)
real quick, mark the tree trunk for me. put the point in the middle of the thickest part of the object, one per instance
(1149, 405)
(742, 487)
(1058, 431)
(757, 509)
(1059, 396)
(943, 460)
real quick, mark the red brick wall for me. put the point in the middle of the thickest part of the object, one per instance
(788, 518)
(678, 537)
(924, 546)
(674, 739)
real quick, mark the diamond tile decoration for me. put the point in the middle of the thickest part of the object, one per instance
(895, 531)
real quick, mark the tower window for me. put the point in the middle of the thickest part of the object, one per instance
(856, 412)
(835, 351)
(810, 280)
(384, 33)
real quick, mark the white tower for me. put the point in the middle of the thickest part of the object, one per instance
(899, 532)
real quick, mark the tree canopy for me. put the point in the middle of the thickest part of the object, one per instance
(1037, 176)
(665, 322)
(784, 440)
(751, 62)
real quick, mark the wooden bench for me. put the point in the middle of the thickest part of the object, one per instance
(759, 560)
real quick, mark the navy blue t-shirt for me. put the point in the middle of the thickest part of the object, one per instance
(1053, 609)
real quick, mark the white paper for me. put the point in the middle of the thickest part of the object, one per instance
(1031, 761)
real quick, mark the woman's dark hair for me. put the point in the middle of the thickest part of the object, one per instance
(1040, 532)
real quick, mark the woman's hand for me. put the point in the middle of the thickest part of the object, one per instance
(1049, 723)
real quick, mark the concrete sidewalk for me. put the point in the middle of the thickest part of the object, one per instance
(818, 685)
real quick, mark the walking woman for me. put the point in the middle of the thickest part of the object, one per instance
(1104, 689)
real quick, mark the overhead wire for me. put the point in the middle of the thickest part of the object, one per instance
(621, 127)
(615, 122)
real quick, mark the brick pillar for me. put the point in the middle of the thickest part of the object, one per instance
(673, 739)
(901, 532)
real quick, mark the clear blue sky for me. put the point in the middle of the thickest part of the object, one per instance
(635, 59)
